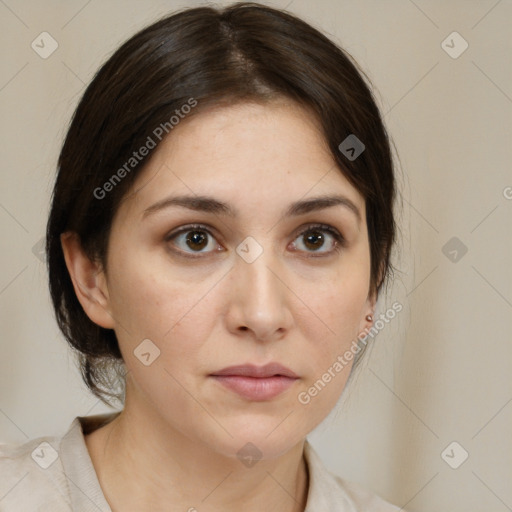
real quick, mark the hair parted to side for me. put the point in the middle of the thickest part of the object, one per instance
(243, 52)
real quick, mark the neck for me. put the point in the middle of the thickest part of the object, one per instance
(144, 464)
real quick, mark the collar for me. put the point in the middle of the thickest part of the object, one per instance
(325, 491)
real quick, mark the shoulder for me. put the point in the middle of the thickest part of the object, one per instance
(52, 473)
(331, 493)
(31, 476)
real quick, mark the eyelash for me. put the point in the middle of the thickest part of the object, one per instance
(338, 237)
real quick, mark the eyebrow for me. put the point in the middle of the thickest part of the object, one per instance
(211, 205)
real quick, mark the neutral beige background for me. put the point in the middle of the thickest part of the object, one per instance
(438, 373)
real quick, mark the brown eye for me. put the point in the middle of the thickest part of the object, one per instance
(316, 237)
(192, 239)
(314, 240)
(196, 239)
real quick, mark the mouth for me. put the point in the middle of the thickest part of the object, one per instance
(249, 370)
(256, 383)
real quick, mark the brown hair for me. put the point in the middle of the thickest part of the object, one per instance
(245, 51)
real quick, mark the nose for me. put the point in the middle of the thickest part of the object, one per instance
(259, 298)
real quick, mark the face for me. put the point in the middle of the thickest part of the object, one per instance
(210, 287)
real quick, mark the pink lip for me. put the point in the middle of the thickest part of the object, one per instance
(256, 383)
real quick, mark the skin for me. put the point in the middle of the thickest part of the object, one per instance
(175, 443)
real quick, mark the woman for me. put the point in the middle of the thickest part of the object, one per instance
(220, 231)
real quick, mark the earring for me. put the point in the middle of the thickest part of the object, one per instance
(369, 318)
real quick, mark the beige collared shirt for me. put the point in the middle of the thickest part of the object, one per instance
(56, 474)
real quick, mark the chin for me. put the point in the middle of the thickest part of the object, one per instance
(258, 438)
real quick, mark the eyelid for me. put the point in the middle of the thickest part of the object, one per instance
(341, 241)
(190, 227)
(321, 227)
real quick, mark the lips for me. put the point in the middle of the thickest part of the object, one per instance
(256, 383)
(249, 370)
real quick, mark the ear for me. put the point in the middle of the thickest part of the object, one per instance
(89, 281)
(368, 309)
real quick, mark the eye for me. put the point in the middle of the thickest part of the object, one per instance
(198, 239)
(313, 238)
(195, 238)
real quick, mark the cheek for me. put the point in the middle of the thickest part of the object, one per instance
(338, 303)
(148, 301)
(177, 309)
(333, 331)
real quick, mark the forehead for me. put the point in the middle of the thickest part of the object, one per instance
(250, 155)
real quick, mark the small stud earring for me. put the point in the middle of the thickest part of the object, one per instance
(369, 318)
